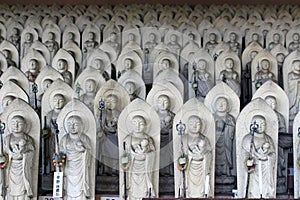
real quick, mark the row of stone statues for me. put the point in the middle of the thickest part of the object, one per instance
(195, 160)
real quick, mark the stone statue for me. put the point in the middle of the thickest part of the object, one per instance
(174, 45)
(77, 147)
(90, 43)
(62, 66)
(225, 133)
(212, 43)
(8, 57)
(52, 45)
(201, 80)
(27, 44)
(132, 90)
(33, 70)
(98, 65)
(21, 143)
(128, 65)
(193, 137)
(263, 150)
(272, 102)
(256, 149)
(77, 139)
(233, 43)
(141, 147)
(138, 130)
(230, 76)
(294, 89)
(21, 150)
(15, 37)
(295, 44)
(151, 43)
(90, 92)
(275, 42)
(263, 73)
(113, 42)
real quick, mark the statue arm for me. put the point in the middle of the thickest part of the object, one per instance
(28, 160)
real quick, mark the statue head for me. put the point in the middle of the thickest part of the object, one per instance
(130, 87)
(261, 122)
(33, 65)
(271, 101)
(62, 65)
(6, 53)
(253, 54)
(58, 101)
(165, 64)
(173, 38)
(232, 37)
(51, 36)
(46, 83)
(7, 100)
(17, 124)
(15, 31)
(212, 36)
(280, 57)
(74, 124)
(229, 64)
(131, 37)
(296, 66)
(152, 37)
(111, 102)
(98, 64)
(202, 64)
(128, 64)
(255, 37)
(194, 124)
(113, 37)
(265, 64)
(276, 37)
(91, 36)
(90, 85)
(221, 104)
(28, 37)
(295, 37)
(138, 123)
(71, 36)
(163, 102)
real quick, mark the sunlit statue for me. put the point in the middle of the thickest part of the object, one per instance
(142, 149)
(21, 149)
(77, 147)
(263, 151)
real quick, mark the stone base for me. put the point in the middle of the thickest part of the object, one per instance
(47, 183)
(107, 184)
(225, 184)
(166, 185)
(281, 185)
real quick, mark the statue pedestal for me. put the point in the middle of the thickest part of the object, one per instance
(225, 184)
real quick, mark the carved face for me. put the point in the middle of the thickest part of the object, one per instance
(138, 124)
(33, 65)
(17, 124)
(131, 37)
(212, 37)
(202, 64)
(255, 37)
(229, 63)
(173, 38)
(62, 65)
(296, 37)
(280, 57)
(271, 101)
(232, 37)
(111, 102)
(28, 37)
(91, 36)
(276, 37)
(15, 31)
(74, 125)
(113, 37)
(253, 54)
(165, 64)
(191, 36)
(296, 65)
(58, 101)
(51, 36)
(46, 83)
(261, 123)
(221, 104)
(98, 64)
(128, 63)
(90, 85)
(152, 37)
(6, 53)
(194, 125)
(265, 64)
(163, 102)
(130, 87)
